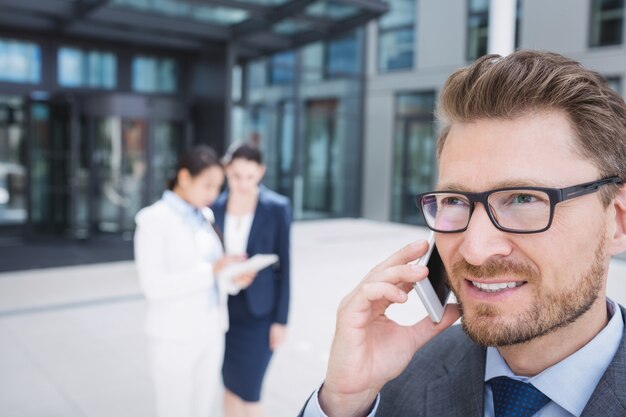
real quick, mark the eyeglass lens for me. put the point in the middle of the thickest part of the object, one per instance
(520, 210)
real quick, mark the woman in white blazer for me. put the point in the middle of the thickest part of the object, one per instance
(179, 256)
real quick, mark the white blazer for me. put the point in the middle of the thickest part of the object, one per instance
(174, 260)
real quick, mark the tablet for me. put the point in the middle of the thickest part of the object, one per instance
(254, 264)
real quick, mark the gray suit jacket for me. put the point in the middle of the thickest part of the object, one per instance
(446, 379)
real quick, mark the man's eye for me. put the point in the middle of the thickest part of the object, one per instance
(523, 199)
(452, 201)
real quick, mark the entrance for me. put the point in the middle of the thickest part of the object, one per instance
(95, 161)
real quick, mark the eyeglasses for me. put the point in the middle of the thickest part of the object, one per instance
(513, 209)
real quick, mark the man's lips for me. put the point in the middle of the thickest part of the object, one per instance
(495, 286)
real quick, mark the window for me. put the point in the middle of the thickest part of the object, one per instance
(257, 74)
(414, 153)
(477, 28)
(93, 69)
(312, 62)
(282, 68)
(20, 62)
(396, 36)
(607, 22)
(615, 83)
(154, 75)
(342, 57)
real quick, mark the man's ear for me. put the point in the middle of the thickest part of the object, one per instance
(617, 243)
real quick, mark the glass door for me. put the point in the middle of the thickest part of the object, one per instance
(13, 171)
(119, 159)
(167, 144)
(319, 165)
(51, 161)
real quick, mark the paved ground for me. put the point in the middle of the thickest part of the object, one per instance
(71, 341)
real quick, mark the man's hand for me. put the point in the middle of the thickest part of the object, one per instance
(369, 349)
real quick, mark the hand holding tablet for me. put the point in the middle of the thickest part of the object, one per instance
(253, 264)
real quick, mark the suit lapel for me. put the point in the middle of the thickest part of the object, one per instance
(461, 391)
(260, 214)
(609, 397)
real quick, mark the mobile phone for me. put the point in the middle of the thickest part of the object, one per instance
(433, 290)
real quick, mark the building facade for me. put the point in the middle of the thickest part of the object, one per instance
(98, 99)
(400, 133)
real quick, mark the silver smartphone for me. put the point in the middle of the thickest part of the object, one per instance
(433, 291)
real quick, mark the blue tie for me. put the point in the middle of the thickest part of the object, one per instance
(512, 398)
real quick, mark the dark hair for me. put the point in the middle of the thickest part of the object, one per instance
(195, 160)
(247, 151)
(524, 82)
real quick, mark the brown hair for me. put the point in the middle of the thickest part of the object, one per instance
(526, 82)
(195, 160)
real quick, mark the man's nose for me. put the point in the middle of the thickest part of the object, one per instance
(482, 241)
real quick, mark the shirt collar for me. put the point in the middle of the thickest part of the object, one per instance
(186, 210)
(571, 382)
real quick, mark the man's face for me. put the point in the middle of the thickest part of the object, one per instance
(558, 273)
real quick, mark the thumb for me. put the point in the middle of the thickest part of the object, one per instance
(424, 330)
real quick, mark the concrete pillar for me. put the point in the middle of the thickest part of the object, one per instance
(501, 27)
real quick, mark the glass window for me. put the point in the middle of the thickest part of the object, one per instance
(174, 8)
(291, 27)
(477, 28)
(414, 153)
(94, 69)
(342, 57)
(312, 62)
(332, 10)
(395, 49)
(401, 13)
(13, 167)
(615, 83)
(257, 73)
(237, 83)
(154, 75)
(282, 68)
(20, 62)
(607, 22)
(396, 36)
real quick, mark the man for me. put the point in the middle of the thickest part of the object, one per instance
(530, 205)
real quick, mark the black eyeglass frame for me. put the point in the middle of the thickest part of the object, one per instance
(556, 196)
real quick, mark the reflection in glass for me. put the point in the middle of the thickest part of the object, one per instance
(282, 68)
(12, 161)
(477, 29)
(332, 10)
(342, 57)
(607, 22)
(120, 159)
(94, 69)
(395, 49)
(168, 143)
(401, 13)
(20, 62)
(173, 8)
(321, 170)
(396, 36)
(154, 75)
(286, 148)
(414, 154)
(291, 27)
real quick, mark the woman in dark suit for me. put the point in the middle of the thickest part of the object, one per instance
(254, 220)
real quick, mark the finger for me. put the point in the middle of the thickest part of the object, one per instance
(399, 274)
(371, 292)
(409, 253)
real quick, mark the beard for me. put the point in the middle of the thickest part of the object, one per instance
(549, 311)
